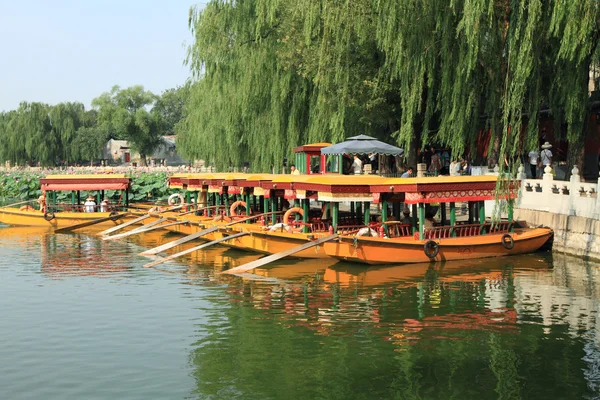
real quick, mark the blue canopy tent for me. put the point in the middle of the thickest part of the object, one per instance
(361, 144)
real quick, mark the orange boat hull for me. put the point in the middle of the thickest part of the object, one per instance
(368, 250)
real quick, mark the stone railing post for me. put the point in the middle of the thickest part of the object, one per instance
(574, 183)
(421, 169)
(547, 182)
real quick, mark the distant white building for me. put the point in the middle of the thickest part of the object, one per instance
(118, 152)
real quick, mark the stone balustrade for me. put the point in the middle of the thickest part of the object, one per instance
(572, 197)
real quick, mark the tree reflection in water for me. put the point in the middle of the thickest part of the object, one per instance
(441, 331)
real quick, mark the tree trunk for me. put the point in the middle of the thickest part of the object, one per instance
(143, 162)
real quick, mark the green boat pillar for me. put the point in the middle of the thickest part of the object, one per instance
(335, 214)
(226, 203)
(481, 208)
(352, 212)
(367, 214)
(188, 197)
(127, 198)
(273, 208)
(421, 221)
(265, 206)
(453, 217)
(359, 213)
(248, 207)
(306, 209)
(73, 208)
(384, 216)
(511, 205)
(217, 204)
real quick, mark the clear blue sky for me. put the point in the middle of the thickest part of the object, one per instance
(74, 50)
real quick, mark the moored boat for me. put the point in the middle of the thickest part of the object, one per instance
(47, 211)
(296, 210)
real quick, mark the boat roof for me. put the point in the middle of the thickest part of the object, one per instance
(85, 182)
(335, 187)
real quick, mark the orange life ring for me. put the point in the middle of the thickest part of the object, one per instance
(27, 208)
(234, 206)
(293, 210)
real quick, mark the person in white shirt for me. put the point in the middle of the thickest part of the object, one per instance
(357, 165)
(454, 168)
(104, 205)
(546, 156)
(90, 204)
(533, 162)
(408, 173)
(294, 170)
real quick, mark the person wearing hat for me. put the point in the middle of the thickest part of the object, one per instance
(90, 204)
(545, 156)
(104, 205)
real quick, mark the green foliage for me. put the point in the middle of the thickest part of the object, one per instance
(275, 74)
(123, 113)
(25, 185)
(170, 107)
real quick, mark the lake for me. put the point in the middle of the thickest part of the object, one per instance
(83, 319)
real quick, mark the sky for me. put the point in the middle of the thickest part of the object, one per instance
(55, 51)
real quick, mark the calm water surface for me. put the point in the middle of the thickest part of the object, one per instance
(83, 319)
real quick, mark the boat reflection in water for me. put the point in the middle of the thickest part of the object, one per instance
(65, 255)
(513, 327)
(499, 322)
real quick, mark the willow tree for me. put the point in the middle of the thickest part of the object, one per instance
(275, 74)
(66, 119)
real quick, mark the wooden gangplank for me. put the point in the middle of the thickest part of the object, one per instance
(196, 235)
(177, 242)
(135, 221)
(126, 224)
(274, 257)
(202, 246)
(141, 229)
(89, 223)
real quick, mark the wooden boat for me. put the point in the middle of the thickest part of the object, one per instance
(47, 212)
(389, 242)
(396, 243)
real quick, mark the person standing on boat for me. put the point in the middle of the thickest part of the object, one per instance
(294, 170)
(42, 202)
(533, 162)
(357, 165)
(90, 204)
(104, 205)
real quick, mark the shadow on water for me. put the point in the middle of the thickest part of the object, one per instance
(514, 327)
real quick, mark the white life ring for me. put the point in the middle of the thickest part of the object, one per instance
(175, 196)
(367, 232)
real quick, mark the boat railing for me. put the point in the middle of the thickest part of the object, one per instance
(398, 229)
(78, 208)
(443, 232)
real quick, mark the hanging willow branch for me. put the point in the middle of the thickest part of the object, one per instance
(410, 72)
